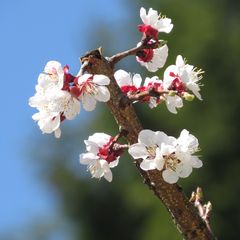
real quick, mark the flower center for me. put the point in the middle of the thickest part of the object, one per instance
(88, 87)
(145, 55)
(149, 31)
(177, 84)
(152, 151)
(171, 162)
(108, 152)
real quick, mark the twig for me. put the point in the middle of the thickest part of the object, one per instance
(204, 210)
(144, 45)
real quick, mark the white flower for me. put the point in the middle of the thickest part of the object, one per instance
(186, 75)
(149, 149)
(53, 103)
(174, 157)
(124, 78)
(152, 19)
(98, 158)
(93, 88)
(153, 59)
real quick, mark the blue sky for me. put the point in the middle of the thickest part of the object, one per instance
(34, 32)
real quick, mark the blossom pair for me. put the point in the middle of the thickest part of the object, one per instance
(58, 96)
(178, 80)
(153, 58)
(174, 157)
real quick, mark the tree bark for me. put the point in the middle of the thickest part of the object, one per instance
(183, 212)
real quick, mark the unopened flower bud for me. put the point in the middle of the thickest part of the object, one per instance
(187, 96)
(172, 93)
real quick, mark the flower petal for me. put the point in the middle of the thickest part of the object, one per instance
(137, 80)
(138, 150)
(147, 137)
(123, 78)
(89, 102)
(183, 170)
(101, 79)
(87, 158)
(148, 165)
(84, 78)
(57, 133)
(72, 109)
(170, 176)
(196, 162)
(103, 94)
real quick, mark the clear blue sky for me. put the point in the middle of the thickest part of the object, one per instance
(32, 33)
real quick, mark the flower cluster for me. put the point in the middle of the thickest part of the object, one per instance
(103, 154)
(58, 95)
(174, 157)
(178, 80)
(151, 57)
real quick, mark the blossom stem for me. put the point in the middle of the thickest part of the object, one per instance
(148, 93)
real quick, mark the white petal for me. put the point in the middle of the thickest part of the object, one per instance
(161, 137)
(108, 175)
(147, 165)
(160, 55)
(37, 116)
(180, 61)
(152, 102)
(159, 163)
(187, 141)
(123, 78)
(114, 163)
(152, 17)
(100, 139)
(103, 94)
(173, 102)
(137, 80)
(170, 176)
(196, 162)
(53, 67)
(167, 79)
(183, 170)
(49, 124)
(87, 158)
(89, 102)
(147, 137)
(72, 109)
(195, 89)
(84, 78)
(101, 79)
(57, 133)
(92, 147)
(143, 15)
(164, 25)
(138, 150)
(167, 149)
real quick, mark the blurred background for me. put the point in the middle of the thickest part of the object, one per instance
(45, 192)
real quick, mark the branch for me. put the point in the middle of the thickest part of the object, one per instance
(144, 45)
(183, 212)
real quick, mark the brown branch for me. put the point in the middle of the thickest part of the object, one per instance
(183, 212)
(144, 45)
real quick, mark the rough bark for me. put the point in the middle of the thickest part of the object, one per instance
(183, 212)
